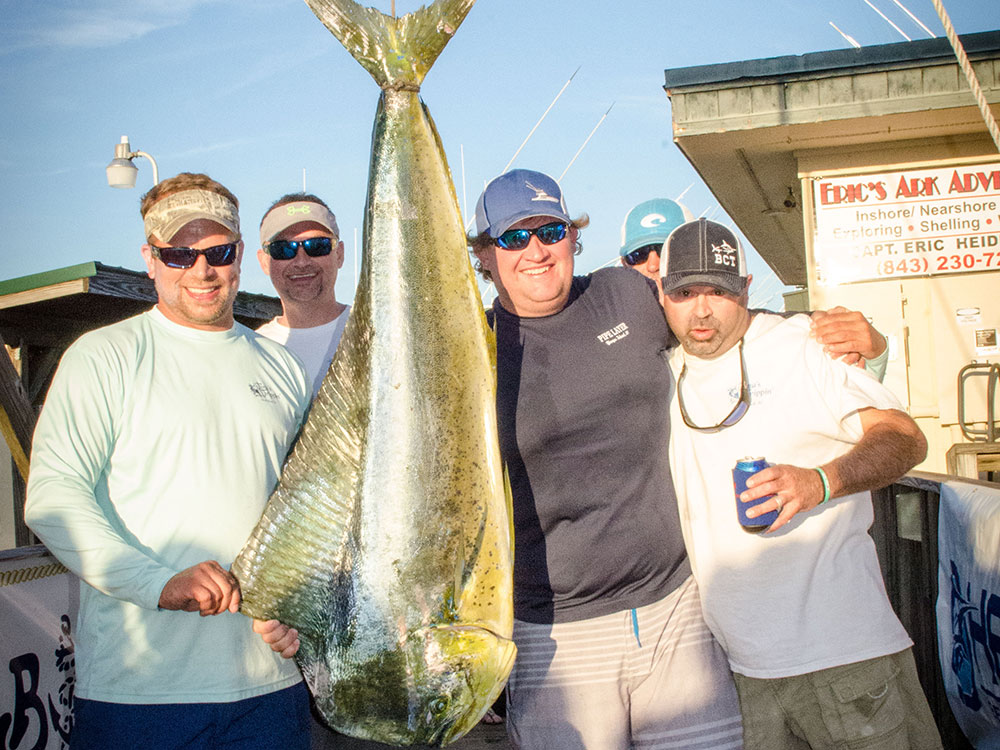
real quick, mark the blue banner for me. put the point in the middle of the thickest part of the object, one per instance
(968, 607)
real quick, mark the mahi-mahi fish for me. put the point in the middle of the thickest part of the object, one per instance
(387, 542)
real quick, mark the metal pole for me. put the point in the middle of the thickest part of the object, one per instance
(886, 19)
(580, 150)
(847, 37)
(544, 115)
(916, 20)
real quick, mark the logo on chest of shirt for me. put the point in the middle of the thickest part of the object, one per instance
(759, 393)
(263, 392)
(612, 335)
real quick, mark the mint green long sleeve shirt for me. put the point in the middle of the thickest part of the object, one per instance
(157, 449)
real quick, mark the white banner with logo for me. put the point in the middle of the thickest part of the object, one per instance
(968, 607)
(39, 601)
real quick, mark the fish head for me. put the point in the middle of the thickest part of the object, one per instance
(430, 690)
(465, 668)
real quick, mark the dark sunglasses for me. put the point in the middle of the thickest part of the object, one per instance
(741, 408)
(185, 257)
(518, 239)
(315, 247)
(640, 254)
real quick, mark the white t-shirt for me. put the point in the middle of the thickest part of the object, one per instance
(314, 346)
(811, 595)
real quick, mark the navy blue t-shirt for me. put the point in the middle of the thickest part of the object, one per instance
(583, 412)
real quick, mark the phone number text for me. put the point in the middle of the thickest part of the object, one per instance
(940, 264)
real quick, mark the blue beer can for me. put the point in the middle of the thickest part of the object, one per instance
(746, 468)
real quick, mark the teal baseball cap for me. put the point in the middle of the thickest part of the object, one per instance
(651, 222)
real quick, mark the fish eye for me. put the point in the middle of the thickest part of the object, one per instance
(438, 706)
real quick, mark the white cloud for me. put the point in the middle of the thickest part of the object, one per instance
(209, 148)
(93, 24)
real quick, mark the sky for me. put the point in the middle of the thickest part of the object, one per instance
(259, 95)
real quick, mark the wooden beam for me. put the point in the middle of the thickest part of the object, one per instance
(17, 418)
(62, 289)
(969, 459)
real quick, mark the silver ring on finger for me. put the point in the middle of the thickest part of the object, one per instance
(778, 502)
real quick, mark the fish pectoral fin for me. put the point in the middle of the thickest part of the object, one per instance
(397, 52)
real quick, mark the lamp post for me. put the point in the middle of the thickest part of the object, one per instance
(121, 171)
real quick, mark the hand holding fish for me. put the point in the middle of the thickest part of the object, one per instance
(281, 638)
(206, 588)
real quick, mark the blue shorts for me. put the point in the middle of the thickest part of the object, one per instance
(275, 721)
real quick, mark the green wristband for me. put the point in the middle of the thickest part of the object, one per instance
(826, 485)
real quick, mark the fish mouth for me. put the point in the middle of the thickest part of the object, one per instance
(485, 683)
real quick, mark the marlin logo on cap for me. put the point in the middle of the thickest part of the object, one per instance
(725, 254)
(649, 221)
(540, 194)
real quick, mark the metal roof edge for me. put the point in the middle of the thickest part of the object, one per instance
(48, 278)
(94, 268)
(980, 44)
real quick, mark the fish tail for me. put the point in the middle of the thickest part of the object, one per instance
(397, 52)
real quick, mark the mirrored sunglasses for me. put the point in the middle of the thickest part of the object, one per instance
(518, 239)
(640, 254)
(315, 247)
(185, 257)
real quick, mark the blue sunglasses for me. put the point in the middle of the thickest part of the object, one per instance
(518, 239)
(315, 247)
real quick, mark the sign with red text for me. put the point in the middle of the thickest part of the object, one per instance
(919, 222)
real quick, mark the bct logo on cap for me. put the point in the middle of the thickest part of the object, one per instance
(540, 194)
(725, 254)
(649, 221)
(292, 210)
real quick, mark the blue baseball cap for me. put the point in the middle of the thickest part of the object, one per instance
(651, 222)
(516, 195)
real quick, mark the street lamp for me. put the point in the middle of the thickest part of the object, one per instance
(121, 171)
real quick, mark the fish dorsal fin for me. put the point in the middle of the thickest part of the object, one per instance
(397, 52)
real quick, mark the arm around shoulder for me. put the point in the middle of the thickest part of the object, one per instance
(847, 334)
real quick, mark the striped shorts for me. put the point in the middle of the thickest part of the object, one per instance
(652, 678)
